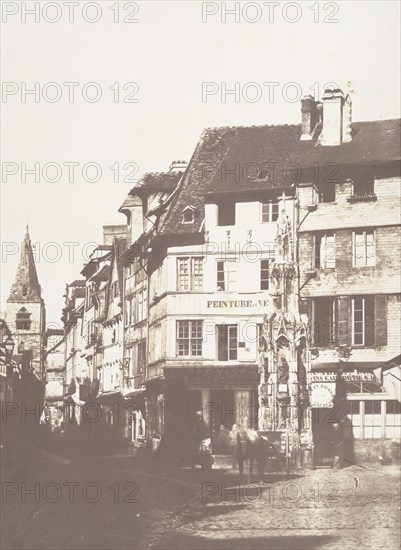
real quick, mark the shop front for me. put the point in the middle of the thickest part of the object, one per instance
(355, 418)
(225, 396)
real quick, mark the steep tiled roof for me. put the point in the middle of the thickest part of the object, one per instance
(26, 285)
(242, 150)
(102, 275)
(78, 283)
(157, 181)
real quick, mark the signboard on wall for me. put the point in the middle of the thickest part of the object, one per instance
(351, 376)
(322, 395)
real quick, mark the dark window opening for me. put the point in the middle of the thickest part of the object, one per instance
(227, 342)
(141, 356)
(23, 321)
(226, 213)
(188, 216)
(325, 327)
(364, 187)
(328, 192)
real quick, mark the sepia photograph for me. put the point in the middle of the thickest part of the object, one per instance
(200, 299)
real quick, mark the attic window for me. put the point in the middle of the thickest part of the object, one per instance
(24, 290)
(188, 215)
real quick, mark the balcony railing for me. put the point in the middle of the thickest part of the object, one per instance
(362, 197)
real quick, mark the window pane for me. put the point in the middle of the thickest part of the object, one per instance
(220, 276)
(232, 342)
(264, 274)
(183, 273)
(222, 343)
(265, 213)
(197, 273)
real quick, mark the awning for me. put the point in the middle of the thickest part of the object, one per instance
(214, 377)
(109, 397)
(139, 392)
(345, 366)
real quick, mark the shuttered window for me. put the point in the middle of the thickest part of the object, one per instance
(363, 321)
(345, 321)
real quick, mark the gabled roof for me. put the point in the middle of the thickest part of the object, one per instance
(227, 160)
(102, 275)
(157, 181)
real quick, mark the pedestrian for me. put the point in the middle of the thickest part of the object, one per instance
(222, 440)
(200, 431)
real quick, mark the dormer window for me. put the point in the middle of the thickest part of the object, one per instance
(188, 215)
(24, 290)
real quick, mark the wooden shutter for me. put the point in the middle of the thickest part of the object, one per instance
(380, 320)
(344, 321)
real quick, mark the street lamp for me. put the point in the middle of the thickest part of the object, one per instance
(9, 345)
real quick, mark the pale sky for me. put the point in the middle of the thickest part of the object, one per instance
(169, 53)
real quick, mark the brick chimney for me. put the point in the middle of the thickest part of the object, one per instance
(310, 117)
(337, 110)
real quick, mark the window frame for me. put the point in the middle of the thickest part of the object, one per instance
(272, 212)
(321, 242)
(193, 273)
(367, 339)
(365, 256)
(228, 337)
(264, 279)
(229, 281)
(192, 335)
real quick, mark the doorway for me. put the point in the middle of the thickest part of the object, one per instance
(326, 436)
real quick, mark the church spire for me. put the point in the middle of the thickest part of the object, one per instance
(26, 285)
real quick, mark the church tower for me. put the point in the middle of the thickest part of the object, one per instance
(26, 314)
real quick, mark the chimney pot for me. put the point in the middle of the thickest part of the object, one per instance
(310, 117)
(336, 118)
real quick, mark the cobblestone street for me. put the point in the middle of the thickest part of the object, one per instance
(325, 509)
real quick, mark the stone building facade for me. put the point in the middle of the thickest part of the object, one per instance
(275, 247)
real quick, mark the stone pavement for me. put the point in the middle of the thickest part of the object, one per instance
(354, 508)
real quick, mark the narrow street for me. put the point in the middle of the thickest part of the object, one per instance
(325, 509)
(116, 503)
(94, 503)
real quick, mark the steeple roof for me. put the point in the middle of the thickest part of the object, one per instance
(26, 285)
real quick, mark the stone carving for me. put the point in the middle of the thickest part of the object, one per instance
(283, 236)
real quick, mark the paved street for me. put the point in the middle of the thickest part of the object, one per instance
(326, 509)
(138, 508)
(125, 514)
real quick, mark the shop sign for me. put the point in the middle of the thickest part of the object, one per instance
(322, 395)
(236, 303)
(331, 376)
